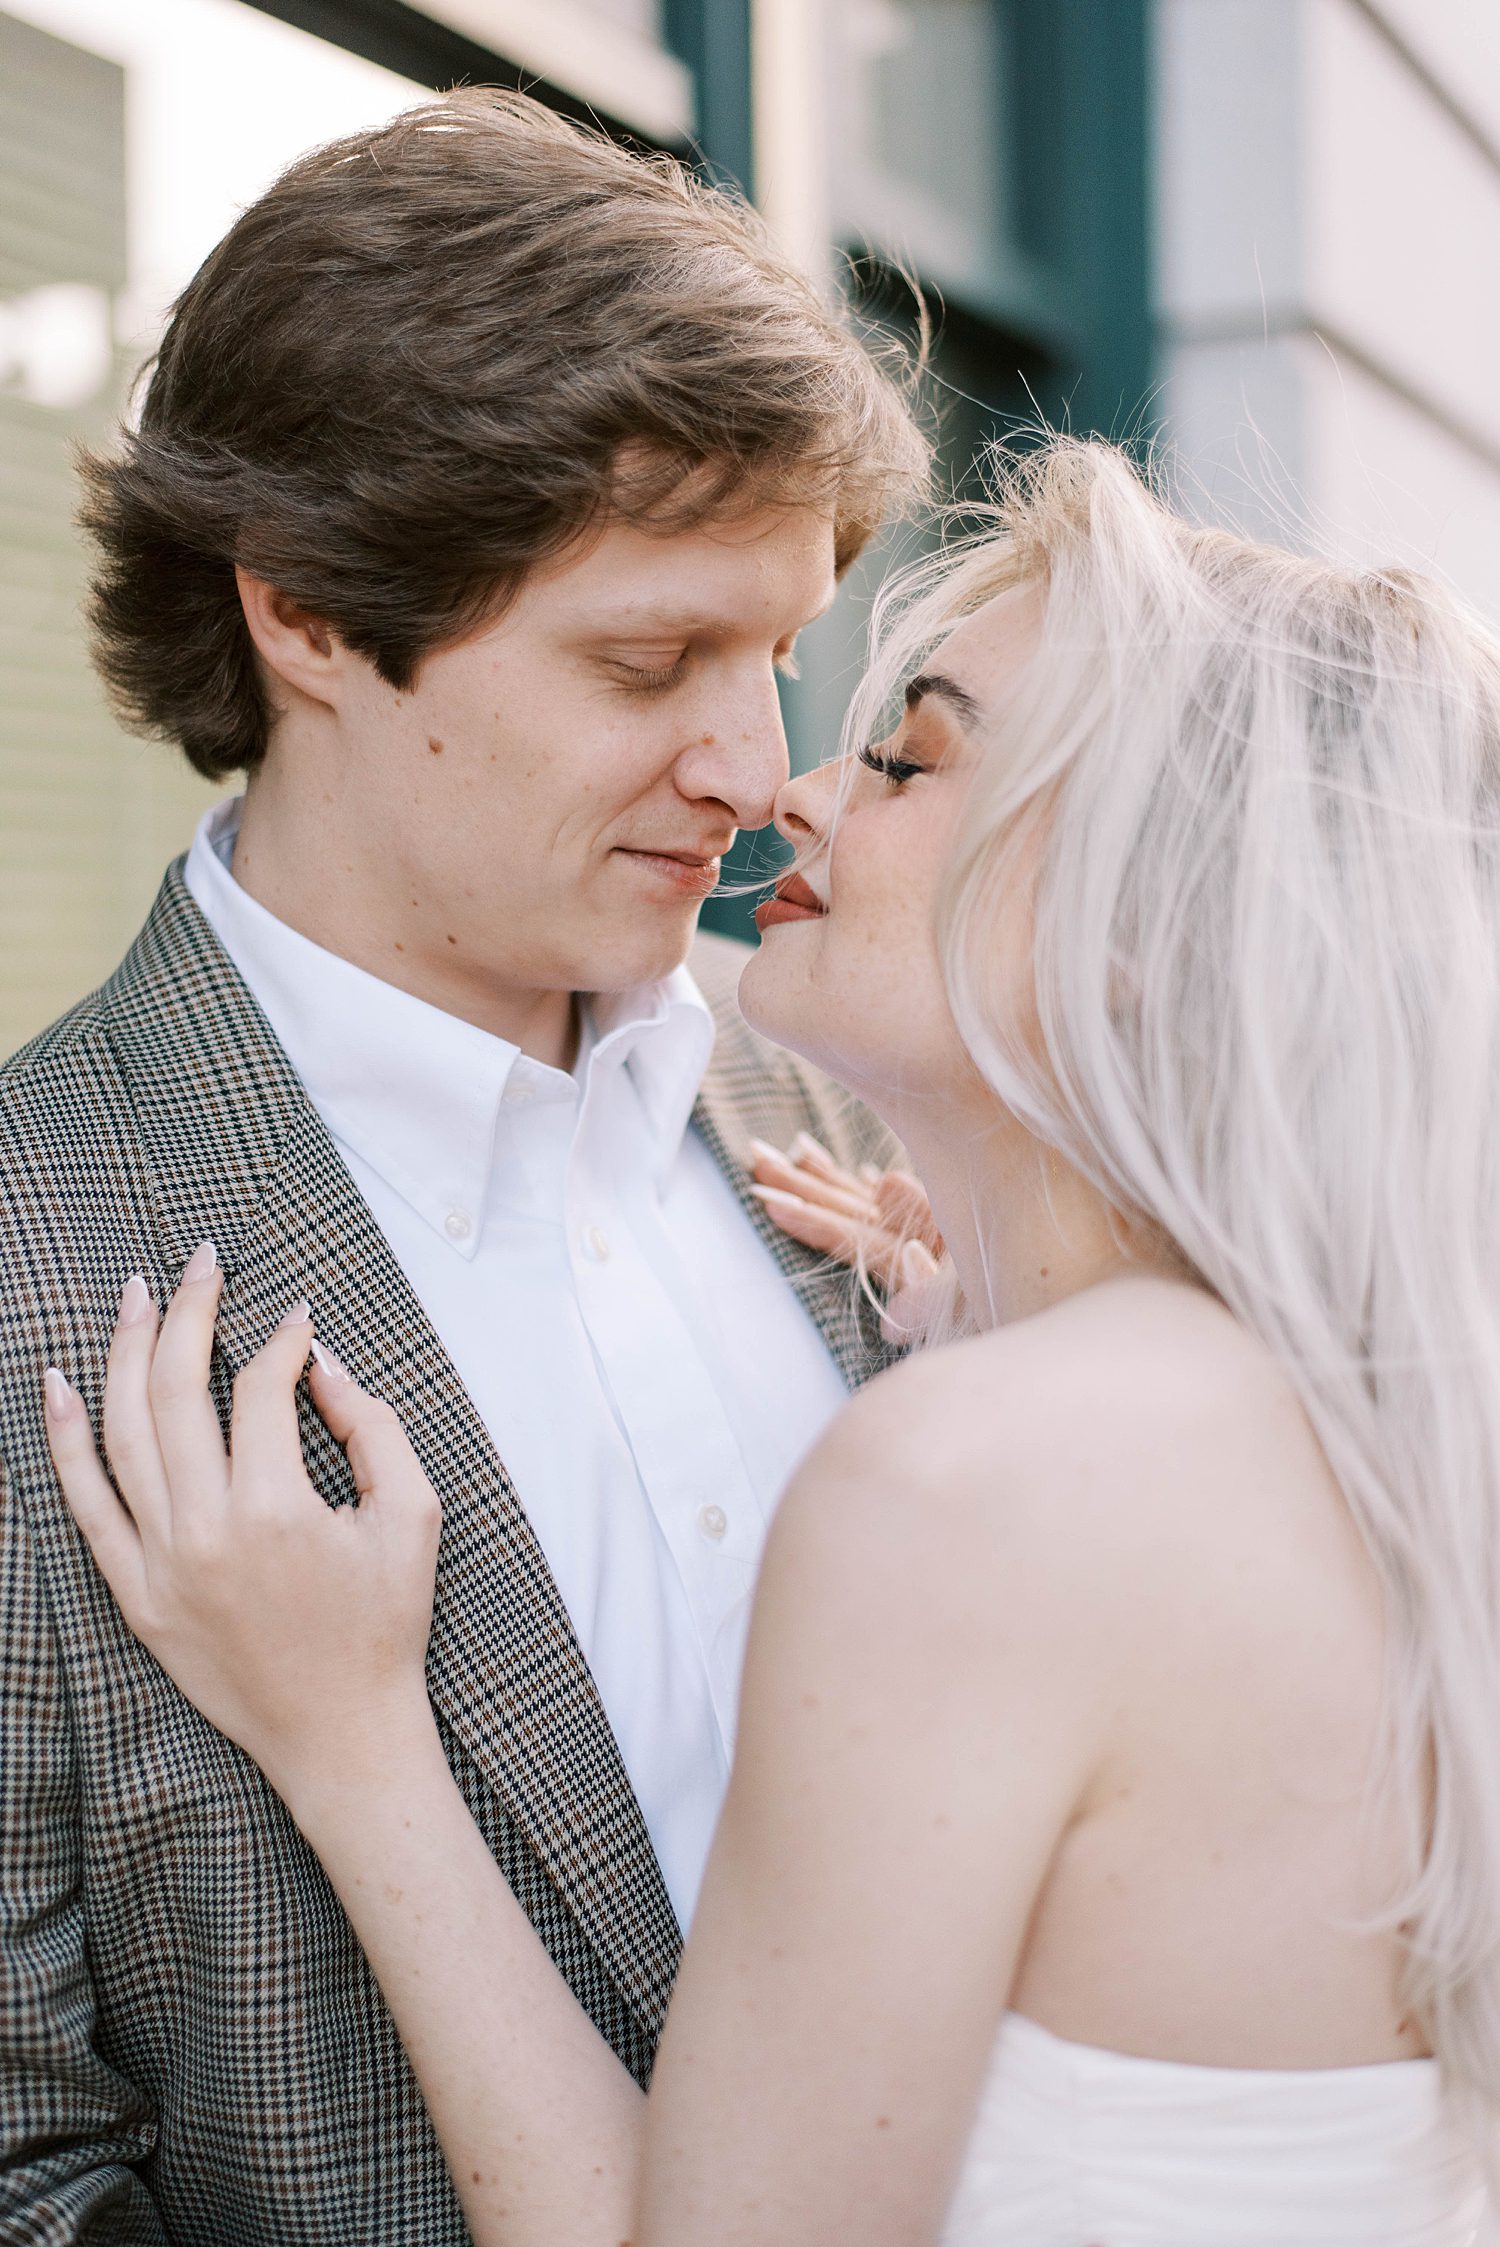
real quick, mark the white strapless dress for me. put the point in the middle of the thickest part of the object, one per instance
(1075, 2147)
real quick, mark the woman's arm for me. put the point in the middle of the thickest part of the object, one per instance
(910, 1750)
(920, 1717)
(301, 1630)
(540, 2125)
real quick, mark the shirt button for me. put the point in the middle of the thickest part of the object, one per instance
(520, 1096)
(458, 1224)
(713, 1521)
(596, 1244)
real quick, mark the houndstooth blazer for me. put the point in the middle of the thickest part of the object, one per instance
(191, 2046)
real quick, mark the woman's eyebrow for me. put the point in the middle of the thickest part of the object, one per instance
(958, 699)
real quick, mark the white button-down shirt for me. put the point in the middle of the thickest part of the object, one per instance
(641, 1365)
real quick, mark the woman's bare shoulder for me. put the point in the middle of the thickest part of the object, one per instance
(1073, 1440)
(1134, 1359)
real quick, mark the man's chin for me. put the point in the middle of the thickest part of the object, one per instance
(638, 955)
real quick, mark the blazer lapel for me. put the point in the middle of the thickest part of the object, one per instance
(241, 1157)
(735, 1106)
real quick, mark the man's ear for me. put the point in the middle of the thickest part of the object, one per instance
(296, 646)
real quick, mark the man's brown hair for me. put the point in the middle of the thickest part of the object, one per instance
(430, 357)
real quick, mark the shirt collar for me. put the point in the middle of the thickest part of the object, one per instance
(663, 1034)
(420, 1095)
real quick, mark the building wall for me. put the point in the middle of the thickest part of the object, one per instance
(85, 820)
(120, 166)
(1328, 229)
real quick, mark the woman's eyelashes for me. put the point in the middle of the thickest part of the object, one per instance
(892, 769)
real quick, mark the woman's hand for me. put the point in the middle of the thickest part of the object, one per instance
(881, 1220)
(299, 1629)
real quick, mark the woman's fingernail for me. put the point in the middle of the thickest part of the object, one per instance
(329, 1364)
(59, 1394)
(805, 1148)
(135, 1301)
(918, 1265)
(774, 1194)
(766, 1151)
(298, 1315)
(201, 1263)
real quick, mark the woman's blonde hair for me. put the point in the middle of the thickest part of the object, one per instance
(1255, 800)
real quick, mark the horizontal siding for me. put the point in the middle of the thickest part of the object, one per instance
(1400, 487)
(1328, 232)
(87, 817)
(1403, 224)
(1457, 44)
(1288, 441)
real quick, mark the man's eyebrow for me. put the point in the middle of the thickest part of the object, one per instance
(663, 617)
(674, 616)
(965, 708)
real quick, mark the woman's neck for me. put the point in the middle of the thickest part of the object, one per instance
(1024, 1227)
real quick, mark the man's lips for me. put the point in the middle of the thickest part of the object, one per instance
(695, 873)
(793, 899)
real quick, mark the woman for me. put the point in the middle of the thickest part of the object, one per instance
(1147, 1638)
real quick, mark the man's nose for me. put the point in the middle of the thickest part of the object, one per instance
(742, 760)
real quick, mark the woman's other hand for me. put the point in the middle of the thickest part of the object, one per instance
(299, 1629)
(880, 1219)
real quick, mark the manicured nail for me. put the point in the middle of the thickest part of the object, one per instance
(918, 1264)
(135, 1301)
(298, 1315)
(59, 1394)
(201, 1263)
(777, 1194)
(327, 1363)
(806, 1149)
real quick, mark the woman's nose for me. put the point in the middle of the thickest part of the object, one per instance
(800, 810)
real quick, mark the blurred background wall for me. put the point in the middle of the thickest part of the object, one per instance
(1268, 230)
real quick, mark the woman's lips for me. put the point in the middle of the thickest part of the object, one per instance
(792, 900)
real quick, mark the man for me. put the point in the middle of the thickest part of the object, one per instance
(485, 476)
